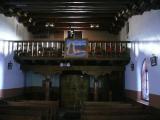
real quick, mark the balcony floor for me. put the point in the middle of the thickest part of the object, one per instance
(97, 60)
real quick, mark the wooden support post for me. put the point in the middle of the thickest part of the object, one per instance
(110, 95)
(47, 87)
(90, 47)
(95, 90)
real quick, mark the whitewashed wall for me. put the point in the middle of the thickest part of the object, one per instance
(10, 29)
(36, 80)
(145, 27)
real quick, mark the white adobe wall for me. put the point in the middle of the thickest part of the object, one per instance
(10, 29)
(145, 27)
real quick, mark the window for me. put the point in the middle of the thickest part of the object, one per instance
(144, 82)
(78, 34)
(74, 34)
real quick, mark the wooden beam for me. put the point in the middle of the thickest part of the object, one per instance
(50, 69)
(64, 2)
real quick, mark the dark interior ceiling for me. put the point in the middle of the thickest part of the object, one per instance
(54, 15)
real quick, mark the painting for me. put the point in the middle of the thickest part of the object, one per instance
(10, 65)
(132, 67)
(76, 48)
(153, 61)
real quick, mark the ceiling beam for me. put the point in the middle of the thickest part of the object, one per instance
(48, 6)
(45, 31)
(65, 13)
(64, 2)
(72, 15)
(92, 19)
(69, 10)
(76, 11)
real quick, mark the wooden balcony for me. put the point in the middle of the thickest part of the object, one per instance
(53, 52)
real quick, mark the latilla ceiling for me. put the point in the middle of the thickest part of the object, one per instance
(55, 15)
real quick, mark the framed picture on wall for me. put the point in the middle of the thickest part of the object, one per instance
(132, 66)
(153, 61)
(76, 48)
(10, 65)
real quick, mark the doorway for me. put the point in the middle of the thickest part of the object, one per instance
(74, 89)
(144, 81)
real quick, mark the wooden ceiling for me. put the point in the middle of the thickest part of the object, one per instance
(54, 15)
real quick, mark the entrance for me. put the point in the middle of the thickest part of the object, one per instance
(144, 82)
(74, 89)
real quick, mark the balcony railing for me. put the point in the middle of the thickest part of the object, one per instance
(56, 49)
(39, 48)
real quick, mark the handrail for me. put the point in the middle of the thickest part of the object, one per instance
(124, 41)
(57, 48)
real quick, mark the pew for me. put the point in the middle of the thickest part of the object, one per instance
(115, 111)
(121, 117)
(18, 117)
(106, 106)
(24, 110)
(45, 110)
(47, 107)
(52, 105)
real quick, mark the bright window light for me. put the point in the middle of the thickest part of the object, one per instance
(6, 48)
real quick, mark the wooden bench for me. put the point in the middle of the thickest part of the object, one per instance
(23, 110)
(18, 117)
(46, 110)
(51, 106)
(107, 104)
(47, 107)
(120, 117)
(115, 111)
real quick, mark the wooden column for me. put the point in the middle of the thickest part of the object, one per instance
(47, 87)
(110, 95)
(95, 90)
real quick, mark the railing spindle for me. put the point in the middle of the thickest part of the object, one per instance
(32, 43)
(120, 47)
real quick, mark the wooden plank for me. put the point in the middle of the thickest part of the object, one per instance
(49, 107)
(18, 117)
(125, 117)
(52, 105)
(105, 103)
(43, 110)
(115, 112)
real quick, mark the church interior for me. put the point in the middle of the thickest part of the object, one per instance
(79, 60)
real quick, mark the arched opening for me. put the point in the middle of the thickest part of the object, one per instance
(144, 82)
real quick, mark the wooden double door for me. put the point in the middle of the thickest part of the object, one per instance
(74, 90)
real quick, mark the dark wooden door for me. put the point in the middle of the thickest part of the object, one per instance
(74, 90)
